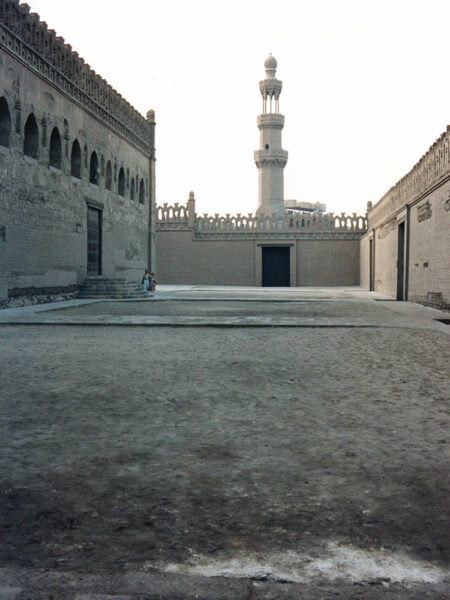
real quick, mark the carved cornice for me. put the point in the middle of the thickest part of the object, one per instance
(271, 158)
(271, 87)
(273, 120)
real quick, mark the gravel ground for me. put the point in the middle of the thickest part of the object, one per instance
(282, 454)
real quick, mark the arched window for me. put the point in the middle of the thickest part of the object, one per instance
(75, 160)
(142, 192)
(5, 123)
(109, 176)
(132, 189)
(121, 186)
(55, 149)
(31, 137)
(93, 170)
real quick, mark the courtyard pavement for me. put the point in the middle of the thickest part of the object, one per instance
(225, 443)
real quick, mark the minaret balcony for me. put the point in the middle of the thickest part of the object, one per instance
(271, 120)
(271, 158)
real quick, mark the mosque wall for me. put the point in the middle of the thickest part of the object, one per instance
(228, 250)
(410, 226)
(70, 147)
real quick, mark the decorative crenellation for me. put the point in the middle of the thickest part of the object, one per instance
(172, 217)
(180, 217)
(431, 168)
(29, 39)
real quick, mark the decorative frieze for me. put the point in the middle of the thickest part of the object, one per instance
(424, 211)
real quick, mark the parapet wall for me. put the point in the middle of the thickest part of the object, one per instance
(320, 225)
(28, 39)
(429, 171)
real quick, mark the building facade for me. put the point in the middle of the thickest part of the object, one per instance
(283, 244)
(76, 166)
(406, 250)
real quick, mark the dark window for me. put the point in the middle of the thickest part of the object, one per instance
(93, 171)
(109, 176)
(5, 123)
(75, 161)
(55, 149)
(121, 186)
(31, 137)
(132, 189)
(267, 146)
(142, 192)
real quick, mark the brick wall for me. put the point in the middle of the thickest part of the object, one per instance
(181, 259)
(43, 209)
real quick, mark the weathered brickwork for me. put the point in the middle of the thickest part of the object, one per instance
(227, 250)
(67, 141)
(418, 206)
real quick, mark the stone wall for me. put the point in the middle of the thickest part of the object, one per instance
(227, 250)
(67, 140)
(420, 200)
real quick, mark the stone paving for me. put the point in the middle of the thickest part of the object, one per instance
(305, 456)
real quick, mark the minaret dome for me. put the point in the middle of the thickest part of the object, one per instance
(270, 64)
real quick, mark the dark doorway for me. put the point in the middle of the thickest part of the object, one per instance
(275, 266)
(371, 286)
(401, 262)
(94, 257)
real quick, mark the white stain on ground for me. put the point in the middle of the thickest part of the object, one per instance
(338, 562)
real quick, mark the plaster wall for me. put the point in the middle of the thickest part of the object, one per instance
(327, 262)
(182, 260)
(364, 261)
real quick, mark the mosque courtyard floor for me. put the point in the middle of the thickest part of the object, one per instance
(225, 443)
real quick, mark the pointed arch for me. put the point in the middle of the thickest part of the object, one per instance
(132, 189)
(55, 154)
(31, 137)
(121, 184)
(93, 168)
(75, 160)
(108, 183)
(142, 192)
(5, 123)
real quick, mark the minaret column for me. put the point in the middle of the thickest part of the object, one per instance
(270, 158)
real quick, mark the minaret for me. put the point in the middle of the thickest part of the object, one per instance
(270, 158)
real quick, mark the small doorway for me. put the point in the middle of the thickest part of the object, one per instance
(94, 241)
(275, 266)
(401, 262)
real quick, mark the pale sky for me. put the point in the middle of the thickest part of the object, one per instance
(366, 89)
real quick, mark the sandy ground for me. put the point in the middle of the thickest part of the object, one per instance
(290, 455)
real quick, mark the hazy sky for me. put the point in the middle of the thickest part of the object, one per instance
(366, 89)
